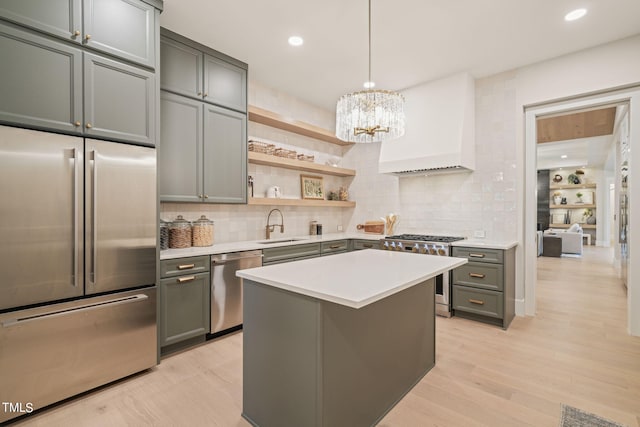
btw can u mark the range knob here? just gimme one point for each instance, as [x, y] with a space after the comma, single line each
[432, 250]
[424, 249]
[385, 246]
[392, 246]
[399, 246]
[415, 248]
[442, 250]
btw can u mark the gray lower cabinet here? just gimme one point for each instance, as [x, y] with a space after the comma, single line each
[199, 72]
[202, 157]
[290, 253]
[484, 288]
[123, 28]
[184, 300]
[334, 247]
[43, 87]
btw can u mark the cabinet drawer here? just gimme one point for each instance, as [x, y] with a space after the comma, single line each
[481, 275]
[184, 308]
[285, 253]
[328, 248]
[181, 266]
[477, 254]
[478, 301]
[365, 244]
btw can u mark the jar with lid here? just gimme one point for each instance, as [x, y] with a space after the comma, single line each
[202, 232]
[180, 233]
[313, 228]
[164, 235]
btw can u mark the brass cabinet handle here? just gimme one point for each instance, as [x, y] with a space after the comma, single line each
[334, 246]
[77, 123]
[88, 126]
[368, 245]
[199, 93]
[87, 36]
[205, 196]
[186, 279]
[76, 33]
[476, 301]
[478, 275]
[476, 255]
[186, 266]
[206, 94]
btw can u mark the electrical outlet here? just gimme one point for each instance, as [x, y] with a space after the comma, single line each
[479, 234]
[340, 228]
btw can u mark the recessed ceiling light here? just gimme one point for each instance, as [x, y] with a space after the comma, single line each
[564, 156]
[575, 14]
[296, 41]
[369, 85]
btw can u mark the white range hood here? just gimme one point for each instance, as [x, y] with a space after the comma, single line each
[440, 130]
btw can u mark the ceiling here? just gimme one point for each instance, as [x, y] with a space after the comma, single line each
[414, 41]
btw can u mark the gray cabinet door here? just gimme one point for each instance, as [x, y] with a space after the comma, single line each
[123, 28]
[180, 152]
[184, 308]
[119, 100]
[41, 84]
[61, 18]
[225, 84]
[225, 155]
[181, 67]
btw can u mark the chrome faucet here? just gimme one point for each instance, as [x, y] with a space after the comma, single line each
[271, 227]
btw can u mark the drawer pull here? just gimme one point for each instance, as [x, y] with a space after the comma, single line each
[476, 301]
[334, 247]
[186, 279]
[186, 266]
[478, 275]
[472, 255]
[367, 245]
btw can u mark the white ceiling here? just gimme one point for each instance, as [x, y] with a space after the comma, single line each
[414, 41]
[591, 152]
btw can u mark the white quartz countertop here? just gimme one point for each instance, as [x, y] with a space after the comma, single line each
[354, 279]
[276, 240]
[481, 243]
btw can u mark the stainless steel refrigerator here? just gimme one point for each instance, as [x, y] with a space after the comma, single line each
[77, 265]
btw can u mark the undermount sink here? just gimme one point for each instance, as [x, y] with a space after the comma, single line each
[270, 242]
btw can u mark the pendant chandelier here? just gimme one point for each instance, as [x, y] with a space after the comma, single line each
[370, 115]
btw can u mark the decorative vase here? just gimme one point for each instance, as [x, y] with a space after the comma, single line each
[557, 200]
[591, 220]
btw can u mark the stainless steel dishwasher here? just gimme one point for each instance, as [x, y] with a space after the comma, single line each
[226, 288]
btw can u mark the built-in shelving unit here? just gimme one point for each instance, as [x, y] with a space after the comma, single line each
[275, 120]
[583, 226]
[264, 201]
[575, 206]
[571, 186]
[301, 165]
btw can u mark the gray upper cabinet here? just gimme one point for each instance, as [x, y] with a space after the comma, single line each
[194, 70]
[201, 157]
[119, 100]
[123, 28]
[41, 84]
[225, 84]
[180, 153]
[225, 155]
[181, 67]
[61, 18]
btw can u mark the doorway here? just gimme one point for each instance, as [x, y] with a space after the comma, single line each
[630, 97]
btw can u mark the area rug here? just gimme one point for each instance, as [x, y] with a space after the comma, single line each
[574, 417]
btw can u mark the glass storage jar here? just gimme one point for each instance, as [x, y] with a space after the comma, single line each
[164, 235]
[180, 233]
[202, 232]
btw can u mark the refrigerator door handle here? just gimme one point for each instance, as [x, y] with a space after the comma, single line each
[74, 218]
[94, 218]
[73, 310]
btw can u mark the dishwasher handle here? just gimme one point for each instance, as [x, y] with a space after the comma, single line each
[234, 256]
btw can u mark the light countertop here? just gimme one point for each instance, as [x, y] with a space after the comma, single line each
[488, 244]
[354, 279]
[221, 248]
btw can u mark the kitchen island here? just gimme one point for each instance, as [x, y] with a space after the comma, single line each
[337, 340]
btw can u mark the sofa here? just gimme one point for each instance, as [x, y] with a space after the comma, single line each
[571, 238]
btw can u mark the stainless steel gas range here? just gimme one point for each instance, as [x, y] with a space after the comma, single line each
[428, 245]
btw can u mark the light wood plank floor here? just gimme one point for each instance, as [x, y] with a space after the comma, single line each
[575, 351]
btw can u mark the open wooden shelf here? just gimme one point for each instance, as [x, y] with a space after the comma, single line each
[583, 226]
[301, 165]
[269, 118]
[578, 206]
[300, 202]
[570, 186]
